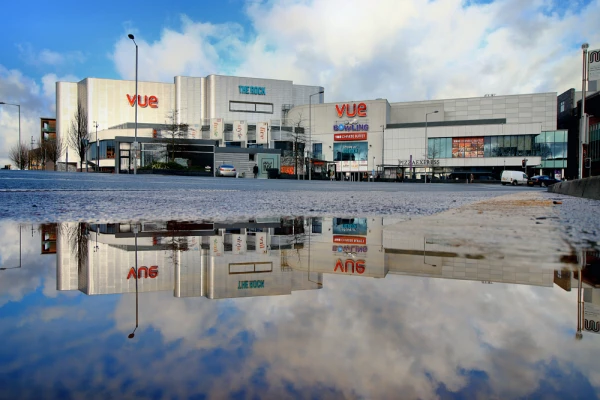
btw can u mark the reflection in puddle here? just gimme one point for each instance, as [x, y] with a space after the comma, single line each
[363, 287]
[268, 257]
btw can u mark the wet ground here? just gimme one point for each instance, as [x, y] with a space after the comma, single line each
[164, 287]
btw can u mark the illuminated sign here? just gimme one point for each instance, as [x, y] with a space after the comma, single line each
[253, 90]
[350, 266]
[349, 249]
[350, 239]
[351, 226]
[151, 101]
[151, 272]
[350, 127]
[341, 137]
[359, 110]
[251, 284]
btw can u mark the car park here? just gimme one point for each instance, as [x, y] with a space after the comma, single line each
[542, 181]
[227, 170]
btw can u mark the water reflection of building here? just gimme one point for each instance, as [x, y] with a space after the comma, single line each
[215, 260]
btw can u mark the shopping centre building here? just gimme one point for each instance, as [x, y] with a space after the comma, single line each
[279, 124]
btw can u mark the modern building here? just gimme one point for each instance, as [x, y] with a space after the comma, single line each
[221, 111]
[280, 124]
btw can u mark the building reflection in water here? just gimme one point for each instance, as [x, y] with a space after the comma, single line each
[267, 257]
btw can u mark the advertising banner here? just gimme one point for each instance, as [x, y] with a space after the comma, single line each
[216, 128]
[471, 147]
[349, 226]
[262, 133]
[216, 246]
[238, 244]
[594, 65]
[261, 243]
[240, 131]
[351, 151]
[342, 137]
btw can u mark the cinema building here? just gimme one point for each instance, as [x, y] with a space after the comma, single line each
[279, 124]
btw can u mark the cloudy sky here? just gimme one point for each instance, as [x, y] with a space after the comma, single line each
[401, 50]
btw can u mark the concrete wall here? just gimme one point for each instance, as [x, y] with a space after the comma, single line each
[588, 188]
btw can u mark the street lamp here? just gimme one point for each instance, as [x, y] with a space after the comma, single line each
[135, 142]
[310, 132]
[97, 153]
[426, 145]
[17, 105]
[382, 150]
[135, 232]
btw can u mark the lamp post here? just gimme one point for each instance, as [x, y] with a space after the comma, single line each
[426, 144]
[583, 120]
[97, 152]
[19, 106]
[382, 150]
[132, 334]
[310, 132]
[135, 142]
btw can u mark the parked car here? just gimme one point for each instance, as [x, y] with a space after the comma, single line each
[541, 180]
[226, 170]
[513, 178]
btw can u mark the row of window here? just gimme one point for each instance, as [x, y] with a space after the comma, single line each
[547, 145]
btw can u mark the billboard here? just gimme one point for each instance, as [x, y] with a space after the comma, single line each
[591, 317]
[469, 147]
[594, 65]
[262, 133]
[351, 156]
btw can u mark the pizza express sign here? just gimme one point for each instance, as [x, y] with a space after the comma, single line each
[406, 163]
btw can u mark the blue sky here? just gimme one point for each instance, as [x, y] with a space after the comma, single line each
[399, 50]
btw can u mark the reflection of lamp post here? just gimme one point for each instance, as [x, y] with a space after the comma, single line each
[132, 334]
[580, 306]
[135, 143]
[20, 261]
[310, 132]
[426, 144]
[424, 251]
[17, 105]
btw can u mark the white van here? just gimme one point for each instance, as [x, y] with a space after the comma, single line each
[513, 178]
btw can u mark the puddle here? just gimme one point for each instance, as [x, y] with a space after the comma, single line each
[297, 307]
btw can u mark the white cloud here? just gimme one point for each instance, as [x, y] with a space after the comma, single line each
[408, 50]
[46, 57]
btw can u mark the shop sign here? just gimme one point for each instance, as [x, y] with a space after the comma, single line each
[350, 127]
[251, 284]
[353, 110]
[350, 266]
[406, 163]
[591, 317]
[151, 101]
[350, 239]
[341, 137]
[151, 272]
[349, 249]
[594, 65]
[259, 90]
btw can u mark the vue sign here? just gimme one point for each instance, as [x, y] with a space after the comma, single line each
[359, 110]
[151, 272]
[151, 101]
[350, 266]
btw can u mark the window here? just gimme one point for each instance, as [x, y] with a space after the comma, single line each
[562, 106]
[251, 157]
[251, 107]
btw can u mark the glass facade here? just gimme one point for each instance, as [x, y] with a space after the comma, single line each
[551, 146]
[594, 146]
[106, 150]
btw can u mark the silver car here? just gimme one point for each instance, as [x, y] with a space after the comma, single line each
[226, 170]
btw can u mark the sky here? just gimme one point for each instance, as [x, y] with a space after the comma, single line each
[400, 50]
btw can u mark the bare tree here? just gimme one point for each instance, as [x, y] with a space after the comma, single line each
[299, 138]
[78, 136]
[19, 155]
[36, 157]
[173, 133]
[54, 149]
